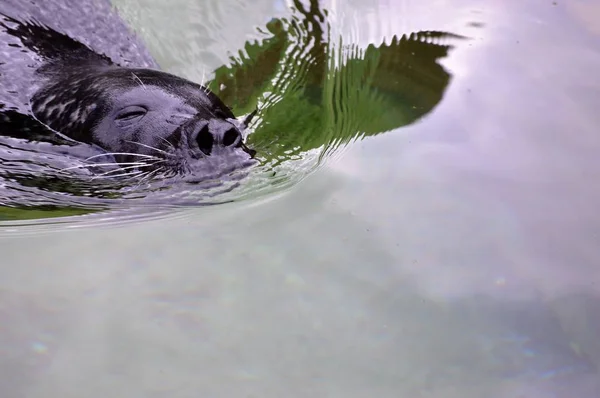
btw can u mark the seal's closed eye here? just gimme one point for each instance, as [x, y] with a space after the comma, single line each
[131, 113]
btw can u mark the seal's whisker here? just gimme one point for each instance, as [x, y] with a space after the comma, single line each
[136, 78]
[143, 165]
[148, 164]
[122, 153]
[107, 173]
[116, 164]
[148, 175]
[149, 147]
[83, 166]
[203, 81]
[113, 176]
[79, 166]
[169, 143]
[157, 162]
[139, 176]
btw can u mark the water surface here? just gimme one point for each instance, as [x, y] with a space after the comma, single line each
[451, 256]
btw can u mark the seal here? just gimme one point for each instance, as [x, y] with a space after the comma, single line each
[77, 75]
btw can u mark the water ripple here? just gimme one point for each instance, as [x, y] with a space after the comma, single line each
[315, 94]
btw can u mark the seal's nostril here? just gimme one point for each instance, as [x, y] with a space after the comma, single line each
[230, 137]
[205, 140]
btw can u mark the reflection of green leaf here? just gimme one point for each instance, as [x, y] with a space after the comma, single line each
[402, 81]
[307, 102]
[36, 212]
[241, 84]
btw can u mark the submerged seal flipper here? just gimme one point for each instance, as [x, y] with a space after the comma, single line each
[94, 23]
[55, 49]
[48, 43]
[36, 39]
[31, 34]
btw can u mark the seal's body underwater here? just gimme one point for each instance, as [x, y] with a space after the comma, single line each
[77, 71]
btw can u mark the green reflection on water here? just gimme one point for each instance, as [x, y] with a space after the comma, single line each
[314, 91]
[34, 213]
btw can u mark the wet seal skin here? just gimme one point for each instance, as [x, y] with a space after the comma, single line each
[74, 74]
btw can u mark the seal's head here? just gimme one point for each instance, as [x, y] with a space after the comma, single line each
[143, 115]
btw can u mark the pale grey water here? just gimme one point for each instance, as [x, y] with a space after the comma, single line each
[456, 257]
